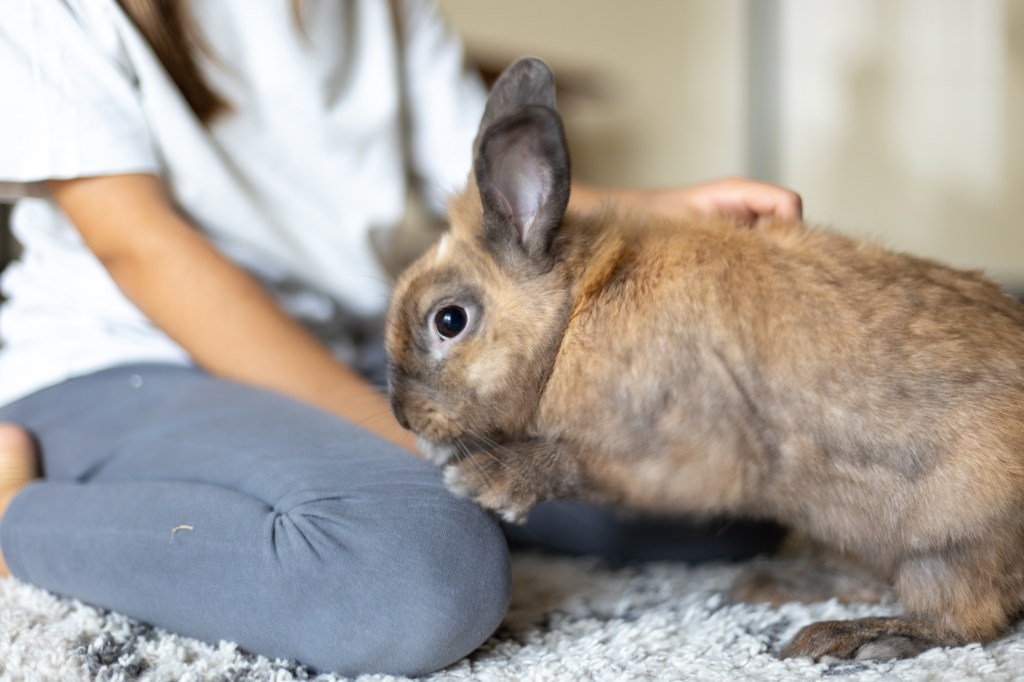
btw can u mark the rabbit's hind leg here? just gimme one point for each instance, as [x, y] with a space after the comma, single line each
[970, 590]
[965, 594]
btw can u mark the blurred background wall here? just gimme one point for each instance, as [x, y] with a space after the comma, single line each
[900, 120]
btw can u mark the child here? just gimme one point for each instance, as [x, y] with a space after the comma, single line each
[192, 333]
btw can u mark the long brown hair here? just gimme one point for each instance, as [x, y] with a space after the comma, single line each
[168, 27]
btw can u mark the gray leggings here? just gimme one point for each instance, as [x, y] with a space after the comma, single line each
[221, 511]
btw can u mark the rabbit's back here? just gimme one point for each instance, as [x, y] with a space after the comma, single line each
[779, 363]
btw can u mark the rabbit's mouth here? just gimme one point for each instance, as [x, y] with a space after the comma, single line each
[439, 438]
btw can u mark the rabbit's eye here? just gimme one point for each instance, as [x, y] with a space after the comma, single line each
[450, 321]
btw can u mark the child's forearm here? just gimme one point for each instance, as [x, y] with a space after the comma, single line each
[214, 309]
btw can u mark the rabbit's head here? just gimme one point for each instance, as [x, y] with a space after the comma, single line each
[474, 325]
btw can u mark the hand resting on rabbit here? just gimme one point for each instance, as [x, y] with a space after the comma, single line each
[872, 400]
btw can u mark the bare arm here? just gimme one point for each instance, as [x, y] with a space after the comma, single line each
[206, 303]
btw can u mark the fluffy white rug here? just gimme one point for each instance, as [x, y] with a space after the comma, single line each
[570, 619]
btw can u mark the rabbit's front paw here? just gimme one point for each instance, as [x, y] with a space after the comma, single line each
[436, 453]
[512, 477]
[492, 484]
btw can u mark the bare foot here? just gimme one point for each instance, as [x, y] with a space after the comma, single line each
[18, 468]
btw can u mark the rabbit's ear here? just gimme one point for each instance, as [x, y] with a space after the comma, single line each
[526, 82]
[522, 173]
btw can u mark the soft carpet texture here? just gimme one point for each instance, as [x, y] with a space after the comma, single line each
[570, 619]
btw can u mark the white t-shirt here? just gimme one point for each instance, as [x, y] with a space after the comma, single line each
[290, 184]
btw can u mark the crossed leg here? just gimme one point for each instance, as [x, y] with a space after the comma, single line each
[223, 512]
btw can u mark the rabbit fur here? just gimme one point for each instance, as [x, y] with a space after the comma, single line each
[872, 400]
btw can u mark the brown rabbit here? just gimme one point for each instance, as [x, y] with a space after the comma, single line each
[872, 400]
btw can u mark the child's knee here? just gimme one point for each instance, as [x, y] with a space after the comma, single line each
[405, 585]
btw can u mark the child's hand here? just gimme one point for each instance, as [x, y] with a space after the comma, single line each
[748, 200]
